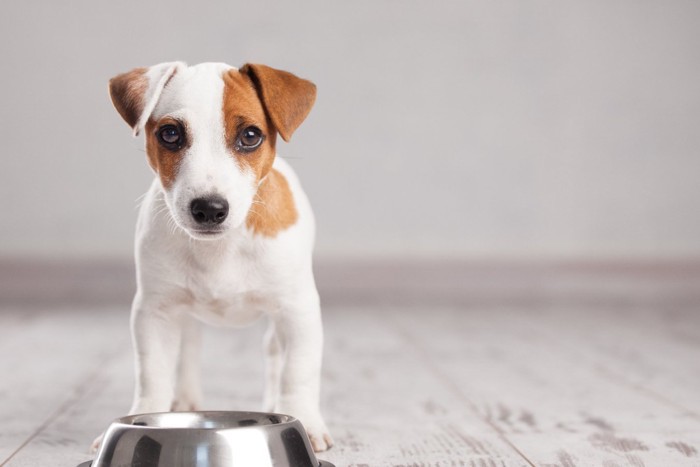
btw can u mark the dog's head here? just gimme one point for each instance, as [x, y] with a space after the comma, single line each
[210, 134]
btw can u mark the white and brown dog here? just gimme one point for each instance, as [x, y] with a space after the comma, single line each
[225, 232]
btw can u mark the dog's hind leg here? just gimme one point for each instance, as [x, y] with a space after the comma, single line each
[188, 389]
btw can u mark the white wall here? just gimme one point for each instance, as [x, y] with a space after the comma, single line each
[521, 128]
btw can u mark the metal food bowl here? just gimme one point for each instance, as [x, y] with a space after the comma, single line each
[206, 439]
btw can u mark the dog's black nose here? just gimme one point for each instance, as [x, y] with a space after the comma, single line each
[209, 211]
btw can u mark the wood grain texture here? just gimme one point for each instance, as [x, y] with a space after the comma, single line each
[555, 398]
[599, 380]
[48, 362]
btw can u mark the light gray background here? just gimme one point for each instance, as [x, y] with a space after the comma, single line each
[454, 129]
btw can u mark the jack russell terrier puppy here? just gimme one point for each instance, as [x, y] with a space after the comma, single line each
[225, 232]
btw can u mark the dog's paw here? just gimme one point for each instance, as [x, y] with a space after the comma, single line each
[311, 419]
[318, 433]
[96, 444]
[320, 441]
[187, 400]
[185, 404]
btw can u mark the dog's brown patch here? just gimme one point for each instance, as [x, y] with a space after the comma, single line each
[127, 91]
[273, 207]
[163, 161]
[274, 101]
[287, 98]
[242, 108]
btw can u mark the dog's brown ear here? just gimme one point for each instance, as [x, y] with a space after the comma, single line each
[136, 92]
[287, 98]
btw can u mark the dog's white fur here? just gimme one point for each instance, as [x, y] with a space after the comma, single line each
[230, 279]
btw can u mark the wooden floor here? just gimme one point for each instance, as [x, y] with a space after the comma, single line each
[609, 376]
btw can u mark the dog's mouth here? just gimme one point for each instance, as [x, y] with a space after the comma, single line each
[207, 233]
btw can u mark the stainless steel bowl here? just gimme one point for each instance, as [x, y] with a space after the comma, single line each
[206, 439]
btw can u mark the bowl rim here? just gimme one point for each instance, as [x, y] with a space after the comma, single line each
[128, 420]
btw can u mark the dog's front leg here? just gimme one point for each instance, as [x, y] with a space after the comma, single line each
[156, 332]
[300, 334]
[188, 391]
[274, 361]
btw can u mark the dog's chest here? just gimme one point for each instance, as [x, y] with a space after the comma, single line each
[228, 291]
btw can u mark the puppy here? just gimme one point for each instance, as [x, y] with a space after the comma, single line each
[225, 232]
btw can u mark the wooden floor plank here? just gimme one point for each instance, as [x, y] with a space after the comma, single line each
[13, 322]
[553, 406]
[651, 350]
[45, 364]
[386, 408]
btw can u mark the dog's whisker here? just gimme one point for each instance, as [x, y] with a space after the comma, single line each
[173, 225]
[259, 200]
[164, 211]
[139, 201]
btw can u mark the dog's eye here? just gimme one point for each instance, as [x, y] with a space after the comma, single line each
[250, 138]
[170, 136]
